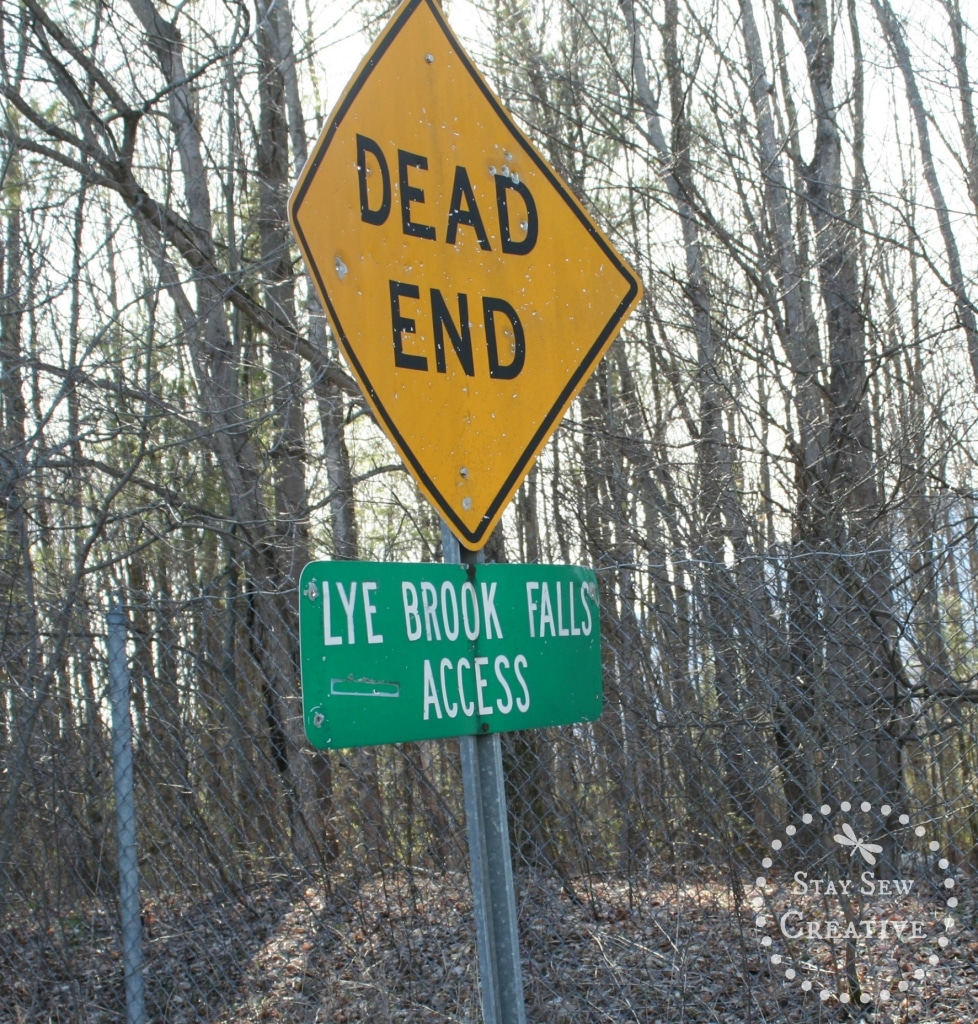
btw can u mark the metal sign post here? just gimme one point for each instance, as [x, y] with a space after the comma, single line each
[493, 891]
[125, 809]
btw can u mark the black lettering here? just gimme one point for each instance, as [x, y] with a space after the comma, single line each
[404, 325]
[461, 336]
[410, 194]
[462, 189]
[529, 240]
[367, 215]
[497, 370]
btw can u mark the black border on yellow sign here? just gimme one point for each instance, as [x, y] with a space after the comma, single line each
[478, 537]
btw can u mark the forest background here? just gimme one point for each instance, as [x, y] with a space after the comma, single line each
[773, 473]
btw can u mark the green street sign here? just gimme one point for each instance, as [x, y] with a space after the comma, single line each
[393, 652]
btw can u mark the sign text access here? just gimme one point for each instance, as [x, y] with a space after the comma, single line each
[393, 652]
[471, 293]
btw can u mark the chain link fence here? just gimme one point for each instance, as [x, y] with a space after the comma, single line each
[774, 819]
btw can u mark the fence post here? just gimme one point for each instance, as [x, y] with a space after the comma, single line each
[493, 892]
[125, 811]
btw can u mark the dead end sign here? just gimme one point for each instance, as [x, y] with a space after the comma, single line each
[471, 293]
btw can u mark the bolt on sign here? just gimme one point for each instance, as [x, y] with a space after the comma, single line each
[471, 293]
[393, 652]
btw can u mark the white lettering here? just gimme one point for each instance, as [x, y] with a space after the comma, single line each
[546, 611]
[451, 632]
[480, 686]
[524, 703]
[349, 601]
[794, 926]
[562, 630]
[468, 709]
[412, 616]
[369, 611]
[328, 639]
[531, 606]
[587, 588]
[492, 691]
[784, 926]
[489, 615]
[429, 601]
[451, 708]
[503, 662]
[430, 693]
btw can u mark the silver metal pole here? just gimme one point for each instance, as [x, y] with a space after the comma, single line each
[125, 811]
[493, 891]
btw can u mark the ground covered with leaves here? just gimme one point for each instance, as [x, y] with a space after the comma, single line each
[401, 947]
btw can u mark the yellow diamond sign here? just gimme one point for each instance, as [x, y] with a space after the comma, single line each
[470, 292]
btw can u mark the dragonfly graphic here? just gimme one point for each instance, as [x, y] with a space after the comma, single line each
[863, 847]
